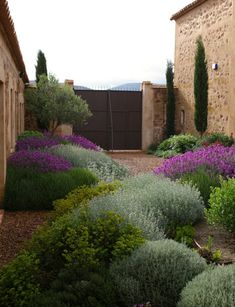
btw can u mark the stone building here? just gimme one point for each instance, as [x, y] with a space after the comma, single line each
[12, 79]
[214, 20]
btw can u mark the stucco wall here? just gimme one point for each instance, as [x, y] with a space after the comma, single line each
[11, 106]
[213, 21]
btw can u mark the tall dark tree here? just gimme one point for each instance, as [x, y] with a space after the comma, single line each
[200, 88]
[41, 67]
[170, 107]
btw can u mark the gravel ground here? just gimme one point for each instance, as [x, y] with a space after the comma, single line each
[137, 162]
[17, 227]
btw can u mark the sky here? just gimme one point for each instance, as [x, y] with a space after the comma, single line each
[99, 43]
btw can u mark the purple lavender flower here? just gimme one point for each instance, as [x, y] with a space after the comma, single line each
[82, 141]
[39, 161]
[217, 158]
[37, 142]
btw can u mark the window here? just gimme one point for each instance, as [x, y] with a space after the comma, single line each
[182, 117]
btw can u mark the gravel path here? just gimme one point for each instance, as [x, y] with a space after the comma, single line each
[137, 162]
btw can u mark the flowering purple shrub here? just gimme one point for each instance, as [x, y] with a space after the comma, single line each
[39, 161]
[218, 158]
[37, 142]
[82, 142]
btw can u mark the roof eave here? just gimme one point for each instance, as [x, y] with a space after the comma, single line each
[9, 29]
[187, 9]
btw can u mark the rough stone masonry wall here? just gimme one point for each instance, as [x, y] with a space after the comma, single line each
[212, 20]
[154, 113]
[11, 106]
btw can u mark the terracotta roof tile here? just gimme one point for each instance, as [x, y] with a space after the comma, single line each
[187, 8]
[9, 29]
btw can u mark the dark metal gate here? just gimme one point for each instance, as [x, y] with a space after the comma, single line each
[116, 123]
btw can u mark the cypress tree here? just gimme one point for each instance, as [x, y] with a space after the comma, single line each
[170, 107]
[41, 67]
[200, 88]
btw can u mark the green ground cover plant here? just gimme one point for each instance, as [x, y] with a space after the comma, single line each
[204, 180]
[216, 137]
[175, 145]
[222, 205]
[28, 189]
[28, 134]
[214, 287]
[156, 272]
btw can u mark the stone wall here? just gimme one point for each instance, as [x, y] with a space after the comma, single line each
[154, 113]
[11, 106]
[212, 20]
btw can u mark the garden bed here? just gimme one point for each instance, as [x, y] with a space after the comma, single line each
[17, 227]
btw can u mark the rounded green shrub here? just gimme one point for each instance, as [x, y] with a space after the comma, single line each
[81, 196]
[176, 144]
[78, 239]
[28, 134]
[30, 190]
[63, 261]
[18, 281]
[214, 287]
[204, 180]
[216, 137]
[222, 205]
[156, 272]
[78, 288]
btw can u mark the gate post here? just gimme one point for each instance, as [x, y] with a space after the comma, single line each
[147, 114]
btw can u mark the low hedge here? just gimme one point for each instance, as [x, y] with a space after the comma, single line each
[27, 189]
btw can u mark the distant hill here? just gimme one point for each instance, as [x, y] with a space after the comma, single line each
[127, 87]
[81, 87]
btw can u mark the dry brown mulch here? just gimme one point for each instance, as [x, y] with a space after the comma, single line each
[16, 228]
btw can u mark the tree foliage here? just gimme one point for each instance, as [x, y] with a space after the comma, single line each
[170, 107]
[54, 104]
[41, 67]
[200, 88]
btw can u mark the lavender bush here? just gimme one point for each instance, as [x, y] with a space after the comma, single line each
[39, 161]
[216, 158]
[36, 142]
[82, 142]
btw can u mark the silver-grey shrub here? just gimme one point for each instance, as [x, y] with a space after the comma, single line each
[130, 207]
[154, 203]
[211, 288]
[156, 272]
[97, 162]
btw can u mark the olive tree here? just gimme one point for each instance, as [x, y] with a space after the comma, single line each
[54, 104]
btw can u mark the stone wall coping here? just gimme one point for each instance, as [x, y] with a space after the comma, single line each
[11, 38]
[187, 8]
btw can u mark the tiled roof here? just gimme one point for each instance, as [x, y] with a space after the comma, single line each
[187, 8]
[9, 30]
